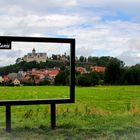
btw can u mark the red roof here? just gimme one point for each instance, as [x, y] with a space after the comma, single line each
[98, 69]
[6, 78]
[39, 73]
[52, 72]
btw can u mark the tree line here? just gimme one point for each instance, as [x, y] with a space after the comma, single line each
[116, 72]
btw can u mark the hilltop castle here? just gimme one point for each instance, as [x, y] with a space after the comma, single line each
[38, 57]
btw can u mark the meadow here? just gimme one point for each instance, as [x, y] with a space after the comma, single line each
[102, 113]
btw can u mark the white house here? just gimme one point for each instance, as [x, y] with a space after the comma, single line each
[1, 79]
[16, 82]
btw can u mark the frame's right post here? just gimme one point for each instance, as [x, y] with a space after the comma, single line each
[72, 72]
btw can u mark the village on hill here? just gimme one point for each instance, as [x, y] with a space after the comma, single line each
[39, 76]
[43, 76]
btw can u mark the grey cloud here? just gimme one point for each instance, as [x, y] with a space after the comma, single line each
[131, 55]
[10, 53]
[84, 51]
[129, 58]
[9, 57]
[31, 24]
[68, 18]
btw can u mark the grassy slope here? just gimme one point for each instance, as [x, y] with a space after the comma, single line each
[108, 112]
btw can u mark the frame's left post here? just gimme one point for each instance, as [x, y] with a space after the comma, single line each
[53, 116]
[8, 118]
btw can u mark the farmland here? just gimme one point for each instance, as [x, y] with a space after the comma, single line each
[102, 112]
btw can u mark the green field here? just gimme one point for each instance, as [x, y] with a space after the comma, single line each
[102, 113]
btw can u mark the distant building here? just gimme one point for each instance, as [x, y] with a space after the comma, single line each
[81, 70]
[21, 74]
[1, 80]
[52, 73]
[63, 57]
[98, 69]
[49, 73]
[6, 79]
[12, 76]
[16, 82]
[38, 57]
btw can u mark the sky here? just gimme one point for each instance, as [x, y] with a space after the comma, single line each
[100, 27]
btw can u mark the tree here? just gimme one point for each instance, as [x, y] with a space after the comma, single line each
[54, 57]
[90, 59]
[18, 60]
[94, 78]
[132, 75]
[81, 58]
[113, 72]
[84, 80]
[62, 78]
[88, 79]
[45, 82]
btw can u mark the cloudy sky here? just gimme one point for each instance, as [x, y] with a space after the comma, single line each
[100, 27]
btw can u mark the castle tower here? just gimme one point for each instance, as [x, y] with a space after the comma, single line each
[33, 51]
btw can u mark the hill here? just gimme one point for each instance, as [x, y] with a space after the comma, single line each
[81, 61]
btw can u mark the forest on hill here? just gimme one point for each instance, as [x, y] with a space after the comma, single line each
[81, 61]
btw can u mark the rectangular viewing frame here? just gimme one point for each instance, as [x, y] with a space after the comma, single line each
[71, 99]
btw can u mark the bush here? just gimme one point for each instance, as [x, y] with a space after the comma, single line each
[62, 78]
[84, 80]
[90, 79]
[45, 82]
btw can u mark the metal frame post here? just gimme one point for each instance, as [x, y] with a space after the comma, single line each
[8, 118]
[53, 116]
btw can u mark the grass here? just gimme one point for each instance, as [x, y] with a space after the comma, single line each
[33, 92]
[102, 113]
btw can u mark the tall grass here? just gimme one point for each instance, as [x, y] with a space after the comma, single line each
[102, 112]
